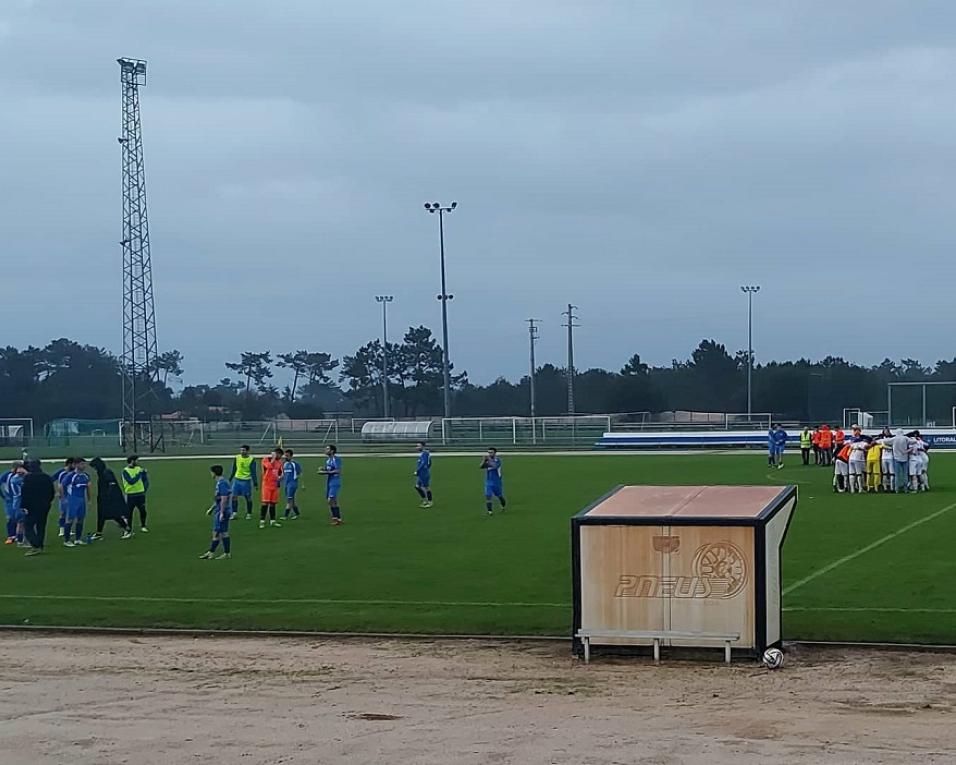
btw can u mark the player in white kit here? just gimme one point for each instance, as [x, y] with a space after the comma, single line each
[915, 460]
[886, 460]
[857, 463]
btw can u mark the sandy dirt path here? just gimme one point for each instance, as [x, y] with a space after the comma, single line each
[177, 700]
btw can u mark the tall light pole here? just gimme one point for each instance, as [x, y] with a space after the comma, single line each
[444, 297]
[750, 290]
[532, 338]
[384, 300]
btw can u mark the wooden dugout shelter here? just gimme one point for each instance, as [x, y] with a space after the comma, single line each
[681, 566]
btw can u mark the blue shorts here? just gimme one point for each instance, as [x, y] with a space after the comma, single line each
[10, 510]
[333, 489]
[423, 480]
[290, 489]
[64, 506]
[493, 489]
[220, 525]
[76, 511]
[776, 449]
[242, 487]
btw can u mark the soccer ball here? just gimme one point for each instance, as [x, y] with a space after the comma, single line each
[773, 658]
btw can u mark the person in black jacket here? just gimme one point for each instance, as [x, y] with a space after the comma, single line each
[110, 500]
[35, 499]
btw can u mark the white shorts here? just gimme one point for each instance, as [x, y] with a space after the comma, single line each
[925, 462]
[857, 467]
[916, 466]
[886, 466]
[841, 468]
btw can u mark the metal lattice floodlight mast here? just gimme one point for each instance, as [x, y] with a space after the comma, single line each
[139, 317]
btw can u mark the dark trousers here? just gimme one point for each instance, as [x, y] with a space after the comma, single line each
[101, 522]
[35, 526]
[806, 456]
[136, 502]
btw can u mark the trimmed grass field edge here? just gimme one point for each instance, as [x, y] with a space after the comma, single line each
[412, 636]
[217, 633]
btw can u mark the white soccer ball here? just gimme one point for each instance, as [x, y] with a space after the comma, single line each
[773, 658]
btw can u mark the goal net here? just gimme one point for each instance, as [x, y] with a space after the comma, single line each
[921, 404]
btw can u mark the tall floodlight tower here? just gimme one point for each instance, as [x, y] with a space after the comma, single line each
[139, 317]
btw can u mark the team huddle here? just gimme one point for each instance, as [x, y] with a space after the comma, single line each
[890, 462]
[70, 486]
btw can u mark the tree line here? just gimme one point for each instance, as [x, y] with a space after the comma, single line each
[69, 379]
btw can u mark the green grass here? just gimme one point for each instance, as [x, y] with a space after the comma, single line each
[396, 568]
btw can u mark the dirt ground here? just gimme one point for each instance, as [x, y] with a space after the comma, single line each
[144, 700]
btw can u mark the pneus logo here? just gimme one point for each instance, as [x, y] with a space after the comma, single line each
[719, 571]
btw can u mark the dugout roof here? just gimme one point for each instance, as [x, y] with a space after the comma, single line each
[684, 503]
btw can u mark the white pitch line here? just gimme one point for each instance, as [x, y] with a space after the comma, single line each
[283, 601]
[863, 550]
[873, 609]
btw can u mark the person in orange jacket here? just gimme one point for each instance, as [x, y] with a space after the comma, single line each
[826, 445]
[815, 441]
[839, 438]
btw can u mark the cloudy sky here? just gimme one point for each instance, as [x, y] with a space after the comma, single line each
[639, 159]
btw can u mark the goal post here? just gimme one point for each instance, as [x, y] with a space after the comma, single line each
[920, 404]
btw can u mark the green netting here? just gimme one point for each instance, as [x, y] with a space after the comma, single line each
[69, 426]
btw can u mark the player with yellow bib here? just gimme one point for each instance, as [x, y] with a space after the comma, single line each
[244, 480]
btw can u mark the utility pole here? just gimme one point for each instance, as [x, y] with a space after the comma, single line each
[384, 300]
[750, 290]
[570, 324]
[444, 297]
[139, 315]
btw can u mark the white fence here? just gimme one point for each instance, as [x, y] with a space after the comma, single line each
[541, 431]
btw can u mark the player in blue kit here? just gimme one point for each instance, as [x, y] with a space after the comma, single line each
[14, 507]
[491, 464]
[291, 471]
[222, 512]
[60, 477]
[423, 475]
[7, 497]
[776, 443]
[77, 493]
[333, 470]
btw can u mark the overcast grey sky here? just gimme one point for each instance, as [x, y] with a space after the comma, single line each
[640, 159]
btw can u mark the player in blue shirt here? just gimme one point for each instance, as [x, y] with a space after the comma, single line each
[59, 480]
[776, 443]
[333, 470]
[15, 493]
[8, 502]
[423, 475]
[491, 464]
[222, 511]
[291, 471]
[77, 494]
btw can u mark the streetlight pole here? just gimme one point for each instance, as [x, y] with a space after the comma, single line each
[384, 300]
[750, 290]
[444, 297]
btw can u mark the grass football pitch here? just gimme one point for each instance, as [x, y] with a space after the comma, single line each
[860, 568]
